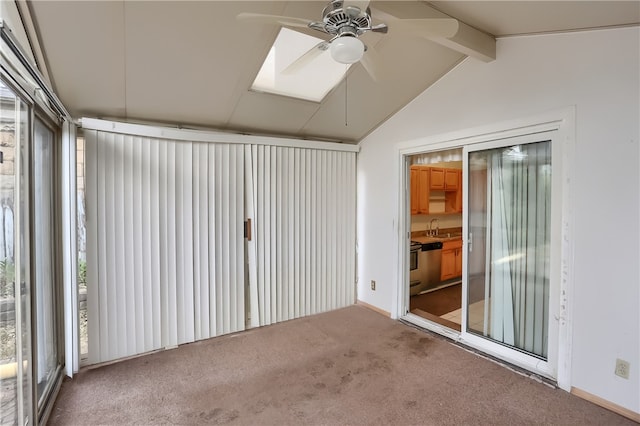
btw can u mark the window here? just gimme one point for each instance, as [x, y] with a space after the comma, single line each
[311, 82]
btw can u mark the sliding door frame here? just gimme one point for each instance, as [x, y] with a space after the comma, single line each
[546, 367]
[561, 121]
[43, 409]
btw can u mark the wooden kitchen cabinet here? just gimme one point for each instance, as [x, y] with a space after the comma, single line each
[459, 261]
[451, 263]
[423, 191]
[459, 193]
[448, 265]
[444, 179]
[453, 199]
[413, 181]
[425, 180]
[451, 179]
[419, 190]
[436, 176]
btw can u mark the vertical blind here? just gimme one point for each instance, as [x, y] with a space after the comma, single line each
[164, 243]
[303, 203]
[167, 262]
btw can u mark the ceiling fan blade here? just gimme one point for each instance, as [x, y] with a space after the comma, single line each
[307, 58]
[286, 21]
[360, 4]
[374, 65]
[380, 28]
[428, 27]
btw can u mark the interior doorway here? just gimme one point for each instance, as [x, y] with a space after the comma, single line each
[435, 276]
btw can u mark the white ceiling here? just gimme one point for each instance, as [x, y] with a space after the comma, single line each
[505, 18]
[191, 63]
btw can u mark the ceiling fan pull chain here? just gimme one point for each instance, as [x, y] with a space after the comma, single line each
[346, 76]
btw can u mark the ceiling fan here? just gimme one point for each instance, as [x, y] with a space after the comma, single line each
[345, 21]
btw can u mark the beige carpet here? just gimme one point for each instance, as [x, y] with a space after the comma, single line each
[351, 366]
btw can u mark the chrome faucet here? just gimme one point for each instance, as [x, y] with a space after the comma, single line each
[431, 230]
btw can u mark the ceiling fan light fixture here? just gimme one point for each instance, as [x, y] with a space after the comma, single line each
[347, 49]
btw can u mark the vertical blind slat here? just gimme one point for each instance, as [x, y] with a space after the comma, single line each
[310, 233]
[219, 244]
[93, 251]
[315, 240]
[187, 226]
[197, 296]
[180, 243]
[136, 262]
[163, 243]
[298, 302]
[143, 223]
[261, 266]
[172, 308]
[205, 243]
[212, 215]
[132, 291]
[154, 238]
[272, 240]
[110, 269]
[121, 335]
[239, 259]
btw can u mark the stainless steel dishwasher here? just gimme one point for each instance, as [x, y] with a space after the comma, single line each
[429, 265]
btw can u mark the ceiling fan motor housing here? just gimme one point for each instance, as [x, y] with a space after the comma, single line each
[336, 18]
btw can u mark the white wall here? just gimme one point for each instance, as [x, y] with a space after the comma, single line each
[598, 73]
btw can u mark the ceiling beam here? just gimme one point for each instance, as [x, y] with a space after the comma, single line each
[471, 42]
[466, 40]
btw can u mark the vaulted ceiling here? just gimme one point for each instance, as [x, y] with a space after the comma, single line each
[191, 64]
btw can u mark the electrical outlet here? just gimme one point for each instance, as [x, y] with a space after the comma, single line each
[373, 285]
[622, 368]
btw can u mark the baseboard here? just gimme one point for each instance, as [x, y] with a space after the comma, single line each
[374, 308]
[606, 404]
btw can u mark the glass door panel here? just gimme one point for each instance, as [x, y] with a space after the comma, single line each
[15, 337]
[508, 257]
[43, 208]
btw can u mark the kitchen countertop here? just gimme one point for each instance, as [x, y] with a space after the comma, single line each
[446, 234]
[437, 238]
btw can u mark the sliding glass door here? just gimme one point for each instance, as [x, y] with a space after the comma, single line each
[15, 313]
[508, 264]
[31, 302]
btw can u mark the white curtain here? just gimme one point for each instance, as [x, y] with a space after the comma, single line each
[165, 249]
[519, 195]
[304, 232]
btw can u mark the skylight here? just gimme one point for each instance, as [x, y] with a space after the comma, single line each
[311, 82]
